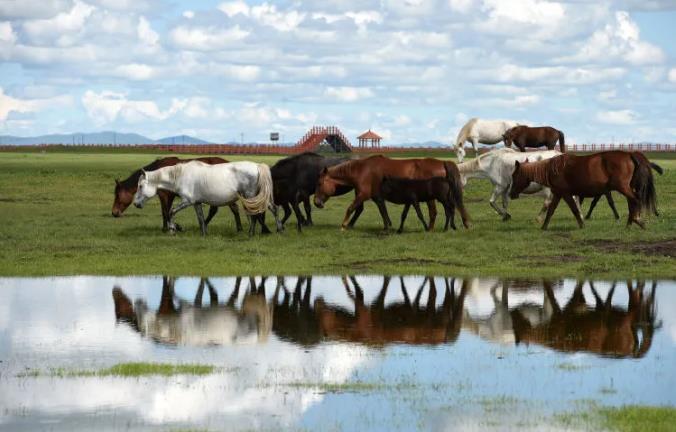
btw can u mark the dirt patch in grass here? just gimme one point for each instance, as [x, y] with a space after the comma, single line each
[665, 248]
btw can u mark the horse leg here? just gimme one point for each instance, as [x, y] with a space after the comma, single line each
[611, 204]
[287, 212]
[505, 204]
[200, 219]
[449, 210]
[494, 196]
[234, 208]
[574, 208]
[252, 224]
[358, 201]
[387, 223]
[212, 212]
[418, 212]
[308, 211]
[591, 206]
[404, 213]
[300, 220]
[475, 146]
[432, 209]
[633, 204]
[550, 210]
[166, 201]
[261, 220]
[183, 205]
[198, 295]
[358, 211]
[545, 204]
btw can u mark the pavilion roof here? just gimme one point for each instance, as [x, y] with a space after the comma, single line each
[369, 135]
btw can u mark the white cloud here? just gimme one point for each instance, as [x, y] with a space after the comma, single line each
[620, 39]
[107, 106]
[672, 75]
[461, 5]
[145, 33]
[621, 117]
[235, 7]
[7, 34]
[10, 104]
[135, 71]
[268, 15]
[189, 14]
[206, 38]
[348, 94]
[32, 9]
[61, 27]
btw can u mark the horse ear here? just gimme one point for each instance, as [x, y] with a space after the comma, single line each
[517, 164]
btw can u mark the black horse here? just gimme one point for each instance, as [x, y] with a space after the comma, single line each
[295, 178]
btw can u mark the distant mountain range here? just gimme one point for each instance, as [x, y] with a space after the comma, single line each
[107, 137]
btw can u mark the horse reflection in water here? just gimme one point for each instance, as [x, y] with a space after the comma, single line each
[602, 329]
[195, 324]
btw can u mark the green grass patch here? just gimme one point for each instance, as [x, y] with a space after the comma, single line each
[629, 418]
[128, 370]
[55, 219]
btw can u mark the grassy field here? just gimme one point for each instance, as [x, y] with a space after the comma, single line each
[55, 220]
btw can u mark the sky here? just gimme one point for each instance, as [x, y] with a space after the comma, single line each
[411, 70]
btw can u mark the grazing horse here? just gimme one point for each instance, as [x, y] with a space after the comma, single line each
[408, 322]
[481, 131]
[217, 185]
[196, 325]
[498, 166]
[526, 136]
[366, 176]
[589, 176]
[294, 179]
[606, 330]
[125, 190]
[447, 190]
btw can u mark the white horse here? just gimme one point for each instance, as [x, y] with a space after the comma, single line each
[198, 183]
[482, 131]
[498, 166]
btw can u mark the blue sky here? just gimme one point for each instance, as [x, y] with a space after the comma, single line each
[412, 70]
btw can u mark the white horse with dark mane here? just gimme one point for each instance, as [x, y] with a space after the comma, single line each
[498, 166]
[219, 185]
[482, 131]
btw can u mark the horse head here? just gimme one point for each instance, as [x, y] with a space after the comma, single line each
[145, 190]
[326, 188]
[460, 152]
[123, 198]
[519, 180]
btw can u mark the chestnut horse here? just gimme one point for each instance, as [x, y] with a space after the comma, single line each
[126, 189]
[590, 176]
[526, 136]
[366, 176]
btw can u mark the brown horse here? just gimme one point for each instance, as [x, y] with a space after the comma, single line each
[605, 329]
[366, 176]
[125, 190]
[525, 136]
[408, 322]
[590, 176]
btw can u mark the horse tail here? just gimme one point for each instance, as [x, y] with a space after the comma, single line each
[562, 142]
[453, 177]
[464, 133]
[259, 203]
[643, 184]
[656, 167]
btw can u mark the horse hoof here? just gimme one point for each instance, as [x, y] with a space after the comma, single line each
[399, 231]
[343, 229]
[178, 228]
[506, 217]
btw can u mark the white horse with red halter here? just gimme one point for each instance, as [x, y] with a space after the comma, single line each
[482, 131]
[218, 185]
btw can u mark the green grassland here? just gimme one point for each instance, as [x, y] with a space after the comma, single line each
[55, 220]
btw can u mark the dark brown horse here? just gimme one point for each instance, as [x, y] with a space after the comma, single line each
[409, 322]
[125, 190]
[605, 329]
[525, 136]
[447, 190]
[366, 176]
[590, 176]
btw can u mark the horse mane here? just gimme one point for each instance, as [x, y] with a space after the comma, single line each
[538, 171]
[132, 180]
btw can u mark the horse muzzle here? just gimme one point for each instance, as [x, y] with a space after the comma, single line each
[138, 205]
[319, 203]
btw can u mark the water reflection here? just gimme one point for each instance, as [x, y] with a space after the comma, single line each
[197, 325]
[427, 310]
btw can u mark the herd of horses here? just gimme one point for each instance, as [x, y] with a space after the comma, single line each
[293, 315]
[294, 180]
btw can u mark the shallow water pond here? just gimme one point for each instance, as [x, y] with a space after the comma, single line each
[328, 353]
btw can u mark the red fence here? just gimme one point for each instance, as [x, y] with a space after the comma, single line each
[310, 143]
